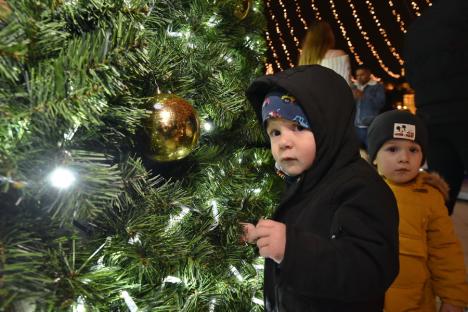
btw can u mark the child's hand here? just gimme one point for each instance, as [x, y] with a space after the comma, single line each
[250, 235]
[271, 239]
[447, 307]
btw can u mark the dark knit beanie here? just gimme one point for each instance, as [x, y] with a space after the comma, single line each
[278, 104]
[396, 124]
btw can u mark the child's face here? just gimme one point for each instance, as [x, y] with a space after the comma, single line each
[399, 160]
[293, 147]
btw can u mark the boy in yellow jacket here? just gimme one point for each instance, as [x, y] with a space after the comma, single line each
[431, 258]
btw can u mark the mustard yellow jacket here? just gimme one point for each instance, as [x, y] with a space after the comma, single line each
[431, 257]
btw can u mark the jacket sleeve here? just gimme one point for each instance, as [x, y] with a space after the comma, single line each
[445, 256]
[359, 260]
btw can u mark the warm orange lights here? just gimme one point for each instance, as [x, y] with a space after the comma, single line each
[289, 13]
[344, 33]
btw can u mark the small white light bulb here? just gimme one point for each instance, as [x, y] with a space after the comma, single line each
[80, 305]
[215, 211]
[129, 301]
[212, 304]
[172, 279]
[62, 178]
[236, 273]
[207, 126]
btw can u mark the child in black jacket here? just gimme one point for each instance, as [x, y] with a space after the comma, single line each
[332, 244]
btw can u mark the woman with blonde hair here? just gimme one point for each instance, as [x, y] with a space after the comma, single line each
[318, 48]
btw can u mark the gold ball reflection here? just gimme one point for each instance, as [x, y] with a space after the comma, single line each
[173, 128]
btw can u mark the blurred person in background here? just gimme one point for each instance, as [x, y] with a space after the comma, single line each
[318, 47]
[369, 95]
[436, 64]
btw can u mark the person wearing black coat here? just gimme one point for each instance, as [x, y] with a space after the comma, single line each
[436, 65]
[340, 219]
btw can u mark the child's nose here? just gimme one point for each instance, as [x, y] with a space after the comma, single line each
[285, 141]
[403, 156]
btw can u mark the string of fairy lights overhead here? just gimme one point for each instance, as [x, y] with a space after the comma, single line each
[287, 23]
[415, 7]
[316, 10]
[299, 14]
[280, 35]
[384, 34]
[397, 16]
[344, 33]
[369, 44]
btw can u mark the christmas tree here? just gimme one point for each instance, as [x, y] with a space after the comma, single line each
[129, 155]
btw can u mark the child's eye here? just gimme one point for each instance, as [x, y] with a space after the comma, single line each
[297, 127]
[274, 133]
[391, 149]
[414, 149]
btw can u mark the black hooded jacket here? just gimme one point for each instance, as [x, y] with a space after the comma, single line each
[341, 218]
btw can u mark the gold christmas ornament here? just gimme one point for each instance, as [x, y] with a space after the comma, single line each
[242, 9]
[173, 128]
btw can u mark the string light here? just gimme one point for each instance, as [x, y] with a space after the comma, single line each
[172, 280]
[278, 31]
[178, 34]
[256, 191]
[215, 211]
[256, 6]
[176, 219]
[384, 33]
[415, 7]
[277, 42]
[269, 69]
[61, 178]
[80, 305]
[15, 184]
[371, 47]
[343, 32]
[299, 14]
[316, 11]
[259, 264]
[69, 135]
[135, 239]
[288, 23]
[213, 21]
[273, 51]
[131, 305]
[236, 273]
[207, 126]
[212, 305]
[397, 17]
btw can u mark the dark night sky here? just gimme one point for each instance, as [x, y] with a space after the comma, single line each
[383, 11]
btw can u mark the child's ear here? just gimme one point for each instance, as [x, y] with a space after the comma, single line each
[374, 162]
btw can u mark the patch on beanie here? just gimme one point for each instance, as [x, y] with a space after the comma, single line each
[404, 131]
